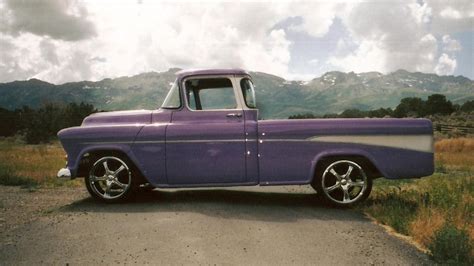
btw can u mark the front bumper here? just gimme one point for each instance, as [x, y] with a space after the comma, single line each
[64, 173]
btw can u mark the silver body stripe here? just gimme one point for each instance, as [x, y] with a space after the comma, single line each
[423, 143]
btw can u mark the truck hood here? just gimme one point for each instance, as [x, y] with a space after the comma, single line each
[119, 117]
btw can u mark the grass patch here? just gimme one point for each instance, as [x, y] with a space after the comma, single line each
[31, 165]
[437, 211]
[396, 208]
[9, 178]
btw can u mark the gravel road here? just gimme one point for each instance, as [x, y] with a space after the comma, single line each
[251, 226]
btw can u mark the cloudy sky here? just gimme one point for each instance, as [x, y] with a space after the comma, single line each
[68, 40]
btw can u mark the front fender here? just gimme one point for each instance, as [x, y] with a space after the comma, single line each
[78, 141]
[73, 165]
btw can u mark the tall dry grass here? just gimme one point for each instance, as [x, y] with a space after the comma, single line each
[456, 154]
[455, 145]
[30, 164]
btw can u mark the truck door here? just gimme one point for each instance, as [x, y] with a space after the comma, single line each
[205, 141]
[251, 125]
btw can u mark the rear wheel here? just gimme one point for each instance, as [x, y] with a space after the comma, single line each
[342, 183]
[110, 179]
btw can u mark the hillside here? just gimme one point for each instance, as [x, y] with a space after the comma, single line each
[277, 98]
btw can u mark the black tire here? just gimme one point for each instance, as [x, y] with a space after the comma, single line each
[339, 185]
[111, 183]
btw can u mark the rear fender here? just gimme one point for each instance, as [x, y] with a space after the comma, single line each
[341, 153]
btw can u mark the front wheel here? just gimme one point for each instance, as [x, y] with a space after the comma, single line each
[110, 179]
[342, 183]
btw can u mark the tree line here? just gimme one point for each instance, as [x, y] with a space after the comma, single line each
[435, 104]
[42, 124]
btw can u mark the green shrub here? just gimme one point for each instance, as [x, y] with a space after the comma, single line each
[451, 246]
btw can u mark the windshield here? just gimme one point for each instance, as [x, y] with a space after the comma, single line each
[172, 100]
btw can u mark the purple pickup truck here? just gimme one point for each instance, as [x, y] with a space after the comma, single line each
[207, 134]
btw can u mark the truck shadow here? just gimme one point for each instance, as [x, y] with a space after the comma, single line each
[223, 203]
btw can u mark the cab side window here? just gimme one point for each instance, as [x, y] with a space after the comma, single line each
[210, 94]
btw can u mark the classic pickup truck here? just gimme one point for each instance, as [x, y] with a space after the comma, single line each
[207, 133]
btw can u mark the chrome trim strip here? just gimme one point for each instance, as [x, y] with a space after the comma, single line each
[170, 141]
[285, 140]
[205, 140]
[108, 142]
[150, 141]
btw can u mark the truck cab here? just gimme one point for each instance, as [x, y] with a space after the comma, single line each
[212, 137]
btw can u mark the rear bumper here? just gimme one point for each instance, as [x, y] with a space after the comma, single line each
[64, 173]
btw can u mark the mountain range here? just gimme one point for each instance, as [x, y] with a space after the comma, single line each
[333, 92]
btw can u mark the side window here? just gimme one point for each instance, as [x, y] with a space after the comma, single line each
[210, 94]
[172, 100]
[248, 92]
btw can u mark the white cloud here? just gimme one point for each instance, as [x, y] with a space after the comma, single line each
[317, 17]
[66, 20]
[451, 16]
[314, 61]
[10, 63]
[450, 45]
[369, 56]
[48, 51]
[446, 65]
[421, 12]
[61, 41]
[134, 38]
[450, 13]
[389, 35]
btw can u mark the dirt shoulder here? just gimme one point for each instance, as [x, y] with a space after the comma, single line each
[19, 206]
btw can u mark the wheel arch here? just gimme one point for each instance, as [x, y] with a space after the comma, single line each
[362, 157]
[88, 156]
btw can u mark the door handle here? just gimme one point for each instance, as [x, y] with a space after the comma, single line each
[234, 115]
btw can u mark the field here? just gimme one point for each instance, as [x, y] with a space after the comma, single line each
[31, 165]
[435, 212]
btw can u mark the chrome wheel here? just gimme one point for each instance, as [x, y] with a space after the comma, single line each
[109, 178]
[344, 182]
